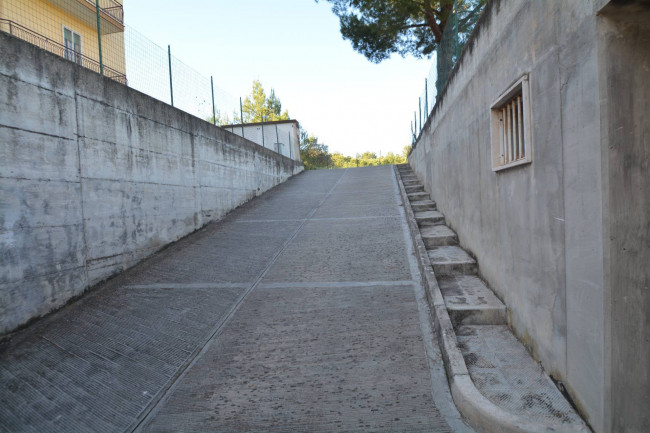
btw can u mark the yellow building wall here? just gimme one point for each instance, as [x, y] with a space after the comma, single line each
[43, 18]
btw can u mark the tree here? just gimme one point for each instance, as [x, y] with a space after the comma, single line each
[313, 154]
[222, 119]
[379, 28]
[257, 107]
[342, 161]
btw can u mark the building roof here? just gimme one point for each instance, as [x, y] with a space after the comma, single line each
[270, 122]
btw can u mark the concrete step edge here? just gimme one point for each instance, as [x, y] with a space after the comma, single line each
[439, 241]
[481, 413]
[477, 314]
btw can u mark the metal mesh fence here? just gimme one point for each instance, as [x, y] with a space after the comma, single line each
[458, 27]
[425, 103]
[92, 34]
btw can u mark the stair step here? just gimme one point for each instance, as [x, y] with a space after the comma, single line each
[438, 236]
[418, 196]
[470, 302]
[429, 218]
[423, 205]
[414, 188]
[409, 176]
[452, 260]
[410, 182]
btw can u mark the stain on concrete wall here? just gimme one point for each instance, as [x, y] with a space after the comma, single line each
[95, 176]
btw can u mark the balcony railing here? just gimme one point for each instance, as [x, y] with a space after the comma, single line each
[111, 13]
[110, 7]
[47, 44]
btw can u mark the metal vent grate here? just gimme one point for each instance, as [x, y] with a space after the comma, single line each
[510, 127]
[513, 146]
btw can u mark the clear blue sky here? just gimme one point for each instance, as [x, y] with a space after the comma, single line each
[295, 47]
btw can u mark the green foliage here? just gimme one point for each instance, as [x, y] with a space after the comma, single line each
[366, 159]
[222, 119]
[313, 154]
[316, 155]
[257, 107]
[379, 28]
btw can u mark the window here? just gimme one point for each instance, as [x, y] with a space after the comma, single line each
[72, 44]
[510, 127]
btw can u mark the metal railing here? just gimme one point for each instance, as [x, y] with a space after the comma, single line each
[110, 7]
[125, 53]
[47, 44]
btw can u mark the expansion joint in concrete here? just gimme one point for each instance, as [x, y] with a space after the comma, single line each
[156, 403]
[81, 196]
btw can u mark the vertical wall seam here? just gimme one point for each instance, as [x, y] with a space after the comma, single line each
[564, 190]
[603, 114]
[81, 186]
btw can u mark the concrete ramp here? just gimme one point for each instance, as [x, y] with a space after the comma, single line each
[300, 311]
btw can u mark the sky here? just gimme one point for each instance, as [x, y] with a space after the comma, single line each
[296, 48]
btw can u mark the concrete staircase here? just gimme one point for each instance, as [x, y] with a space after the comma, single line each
[496, 383]
[468, 298]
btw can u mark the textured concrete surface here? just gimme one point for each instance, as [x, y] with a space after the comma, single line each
[429, 218]
[507, 375]
[625, 35]
[495, 382]
[564, 240]
[95, 176]
[416, 196]
[423, 205]
[451, 260]
[300, 311]
[470, 302]
[437, 236]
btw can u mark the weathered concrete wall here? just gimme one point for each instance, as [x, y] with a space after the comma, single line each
[624, 43]
[561, 238]
[95, 176]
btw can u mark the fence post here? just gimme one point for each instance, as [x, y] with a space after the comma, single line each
[426, 98]
[241, 116]
[99, 38]
[290, 146]
[415, 120]
[263, 145]
[171, 86]
[214, 113]
[290, 150]
[277, 137]
[420, 110]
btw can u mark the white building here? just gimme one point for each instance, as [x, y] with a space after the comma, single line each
[281, 136]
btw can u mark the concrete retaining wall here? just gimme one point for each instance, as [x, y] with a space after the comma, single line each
[564, 241]
[95, 176]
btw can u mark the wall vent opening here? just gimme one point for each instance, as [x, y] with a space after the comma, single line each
[510, 127]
